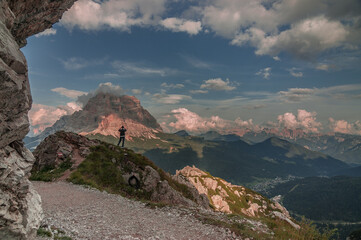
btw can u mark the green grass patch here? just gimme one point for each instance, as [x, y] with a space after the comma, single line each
[42, 232]
[51, 173]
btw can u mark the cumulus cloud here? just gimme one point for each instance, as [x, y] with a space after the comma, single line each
[74, 94]
[95, 15]
[165, 98]
[182, 25]
[107, 87]
[304, 120]
[265, 72]
[303, 28]
[245, 123]
[172, 85]
[192, 122]
[43, 116]
[342, 126]
[276, 58]
[217, 84]
[304, 39]
[294, 73]
[46, 32]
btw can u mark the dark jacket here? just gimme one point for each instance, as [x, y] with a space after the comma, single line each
[122, 131]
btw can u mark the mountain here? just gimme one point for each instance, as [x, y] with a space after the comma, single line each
[104, 114]
[215, 136]
[351, 172]
[238, 161]
[341, 146]
[182, 133]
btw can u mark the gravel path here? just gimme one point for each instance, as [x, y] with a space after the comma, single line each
[90, 214]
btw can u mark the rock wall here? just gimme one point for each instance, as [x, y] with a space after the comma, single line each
[20, 205]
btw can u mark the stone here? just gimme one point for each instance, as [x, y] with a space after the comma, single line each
[20, 211]
[220, 204]
[151, 178]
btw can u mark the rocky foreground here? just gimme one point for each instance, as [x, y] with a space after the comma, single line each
[84, 213]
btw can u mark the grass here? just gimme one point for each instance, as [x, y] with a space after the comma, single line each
[51, 173]
[42, 232]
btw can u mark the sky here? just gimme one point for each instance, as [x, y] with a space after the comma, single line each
[205, 65]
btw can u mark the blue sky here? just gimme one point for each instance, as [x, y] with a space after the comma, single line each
[223, 64]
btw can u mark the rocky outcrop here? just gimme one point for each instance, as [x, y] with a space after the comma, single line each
[229, 198]
[58, 147]
[20, 210]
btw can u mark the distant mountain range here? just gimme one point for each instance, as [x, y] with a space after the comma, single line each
[226, 156]
[345, 147]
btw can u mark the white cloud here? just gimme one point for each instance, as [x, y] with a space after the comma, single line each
[265, 72]
[294, 73]
[43, 116]
[107, 87]
[138, 69]
[68, 92]
[47, 32]
[192, 122]
[172, 85]
[198, 91]
[276, 58]
[304, 120]
[296, 94]
[75, 63]
[323, 67]
[217, 84]
[339, 91]
[342, 126]
[165, 98]
[182, 25]
[137, 91]
[303, 28]
[95, 15]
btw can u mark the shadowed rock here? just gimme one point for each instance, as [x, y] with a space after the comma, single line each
[20, 205]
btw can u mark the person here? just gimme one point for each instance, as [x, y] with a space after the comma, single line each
[122, 131]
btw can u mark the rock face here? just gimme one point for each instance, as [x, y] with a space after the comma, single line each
[229, 198]
[20, 209]
[60, 146]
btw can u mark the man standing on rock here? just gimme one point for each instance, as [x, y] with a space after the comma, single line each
[122, 131]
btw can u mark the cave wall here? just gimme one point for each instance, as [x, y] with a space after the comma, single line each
[20, 205]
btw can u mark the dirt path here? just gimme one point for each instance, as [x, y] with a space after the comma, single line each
[90, 214]
[77, 159]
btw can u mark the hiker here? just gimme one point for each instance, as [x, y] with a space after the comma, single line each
[122, 131]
